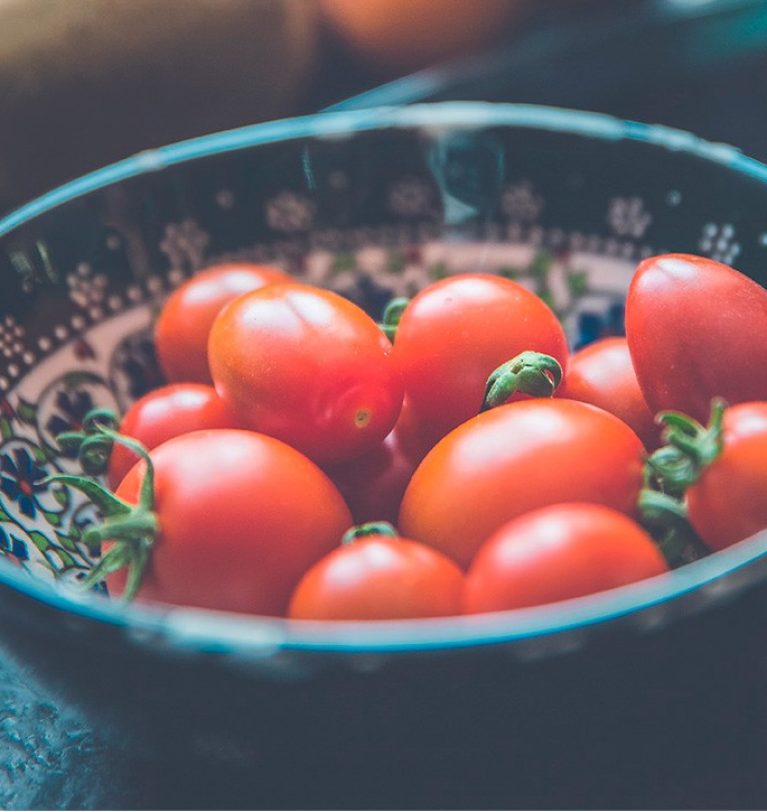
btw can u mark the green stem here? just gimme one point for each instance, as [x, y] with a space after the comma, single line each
[666, 519]
[369, 529]
[690, 448]
[93, 447]
[530, 372]
[392, 315]
[132, 529]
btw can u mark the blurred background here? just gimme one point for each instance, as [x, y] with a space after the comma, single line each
[87, 82]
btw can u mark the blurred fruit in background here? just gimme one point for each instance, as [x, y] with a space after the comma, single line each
[407, 34]
[86, 82]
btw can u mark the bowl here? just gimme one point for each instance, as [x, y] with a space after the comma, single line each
[514, 708]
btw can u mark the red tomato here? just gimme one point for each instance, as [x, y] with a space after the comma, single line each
[729, 501]
[513, 459]
[374, 483]
[308, 367]
[379, 577]
[695, 328]
[181, 332]
[413, 438]
[456, 332]
[559, 552]
[602, 374]
[241, 517]
[165, 413]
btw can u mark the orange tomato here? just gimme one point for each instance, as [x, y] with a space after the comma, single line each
[516, 458]
[602, 374]
[181, 332]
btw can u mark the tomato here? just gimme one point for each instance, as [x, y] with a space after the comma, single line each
[308, 367]
[165, 413]
[602, 374]
[729, 501]
[559, 552]
[412, 438]
[695, 329]
[456, 332]
[181, 332]
[373, 484]
[379, 576]
[240, 517]
[513, 459]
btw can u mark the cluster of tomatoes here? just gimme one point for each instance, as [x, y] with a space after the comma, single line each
[267, 477]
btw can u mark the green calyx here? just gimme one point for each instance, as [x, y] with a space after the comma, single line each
[665, 518]
[530, 372]
[91, 445]
[132, 529]
[369, 529]
[392, 315]
[690, 448]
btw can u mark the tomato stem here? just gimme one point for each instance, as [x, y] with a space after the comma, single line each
[690, 448]
[91, 445]
[530, 372]
[392, 315]
[369, 529]
[666, 519]
[132, 529]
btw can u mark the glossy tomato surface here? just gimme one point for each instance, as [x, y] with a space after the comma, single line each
[696, 329]
[559, 552]
[456, 332]
[181, 331]
[729, 501]
[602, 374]
[165, 413]
[309, 367]
[516, 458]
[379, 578]
[242, 516]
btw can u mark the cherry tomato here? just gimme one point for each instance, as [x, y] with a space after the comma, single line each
[373, 484]
[181, 332]
[559, 552]
[308, 367]
[695, 328]
[412, 437]
[456, 332]
[379, 576]
[241, 517]
[165, 413]
[602, 374]
[729, 501]
[513, 459]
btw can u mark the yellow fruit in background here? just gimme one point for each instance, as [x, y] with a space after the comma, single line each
[409, 34]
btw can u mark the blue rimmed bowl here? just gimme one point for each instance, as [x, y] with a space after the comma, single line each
[375, 203]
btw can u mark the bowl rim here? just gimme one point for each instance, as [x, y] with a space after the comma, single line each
[245, 635]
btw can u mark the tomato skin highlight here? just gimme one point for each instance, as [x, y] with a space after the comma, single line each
[513, 459]
[309, 367]
[165, 413]
[182, 329]
[696, 329]
[379, 578]
[559, 552]
[602, 374]
[729, 501]
[242, 516]
[456, 332]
